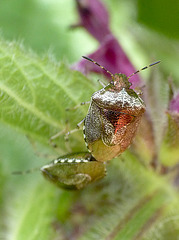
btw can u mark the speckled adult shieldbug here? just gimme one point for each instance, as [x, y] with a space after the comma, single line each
[113, 117]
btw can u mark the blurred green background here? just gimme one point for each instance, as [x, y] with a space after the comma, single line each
[147, 30]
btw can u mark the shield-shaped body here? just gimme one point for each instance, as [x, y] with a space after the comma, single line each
[112, 120]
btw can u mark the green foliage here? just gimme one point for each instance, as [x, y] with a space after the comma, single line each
[34, 93]
[161, 17]
[128, 204]
[26, 20]
[43, 25]
[132, 201]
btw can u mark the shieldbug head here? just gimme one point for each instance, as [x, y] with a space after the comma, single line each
[113, 117]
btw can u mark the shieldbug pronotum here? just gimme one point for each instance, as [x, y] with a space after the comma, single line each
[113, 117]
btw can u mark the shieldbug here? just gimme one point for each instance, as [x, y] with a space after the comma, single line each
[113, 117]
[72, 171]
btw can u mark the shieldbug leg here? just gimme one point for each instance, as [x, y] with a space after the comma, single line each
[56, 136]
[36, 150]
[59, 133]
[102, 84]
[78, 127]
[77, 106]
[63, 132]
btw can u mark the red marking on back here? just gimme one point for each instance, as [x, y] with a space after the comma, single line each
[119, 118]
[122, 121]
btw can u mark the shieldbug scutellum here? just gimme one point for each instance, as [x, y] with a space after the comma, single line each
[113, 117]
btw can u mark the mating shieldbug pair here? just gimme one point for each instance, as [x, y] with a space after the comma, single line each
[110, 125]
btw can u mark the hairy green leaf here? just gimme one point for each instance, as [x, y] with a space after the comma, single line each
[130, 203]
[34, 94]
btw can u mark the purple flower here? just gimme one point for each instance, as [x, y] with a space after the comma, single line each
[110, 55]
[174, 104]
[94, 18]
[173, 122]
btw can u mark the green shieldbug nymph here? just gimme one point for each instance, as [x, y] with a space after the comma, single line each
[74, 171]
[113, 117]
